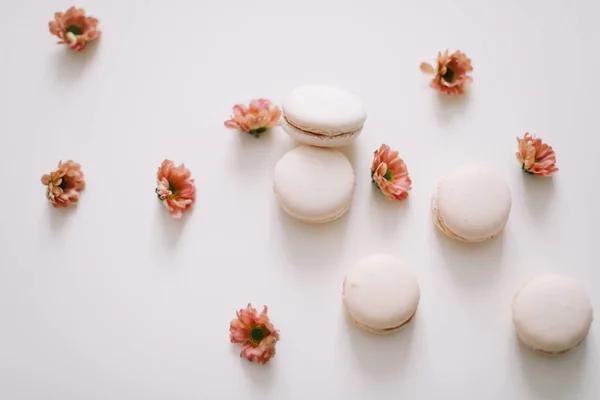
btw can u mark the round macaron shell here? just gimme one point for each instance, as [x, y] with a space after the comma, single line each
[552, 314]
[324, 109]
[381, 293]
[473, 202]
[314, 184]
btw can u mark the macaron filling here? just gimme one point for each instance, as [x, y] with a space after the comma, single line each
[315, 132]
[549, 353]
[385, 330]
[304, 218]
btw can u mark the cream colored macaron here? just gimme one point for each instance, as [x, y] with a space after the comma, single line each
[552, 314]
[314, 184]
[381, 294]
[323, 116]
[471, 204]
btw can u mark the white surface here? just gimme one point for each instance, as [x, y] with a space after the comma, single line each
[324, 110]
[314, 184]
[552, 313]
[380, 292]
[114, 300]
[473, 202]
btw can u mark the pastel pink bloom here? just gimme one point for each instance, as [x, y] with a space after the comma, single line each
[64, 184]
[451, 74]
[390, 174]
[256, 333]
[255, 119]
[74, 29]
[175, 188]
[535, 156]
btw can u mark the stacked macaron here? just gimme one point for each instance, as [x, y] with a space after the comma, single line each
[315, 183]
[323, 116]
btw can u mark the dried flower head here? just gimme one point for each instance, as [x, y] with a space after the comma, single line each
[536, 157]
[74, 29]
[255, 119]
[390, 174]
[175, 188]
[64, 184]
[451, 74]
[256, 333]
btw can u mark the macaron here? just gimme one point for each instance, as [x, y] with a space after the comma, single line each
[471, 204]
[314, 184]
[323, 116]
[552, 314]
[381, 294]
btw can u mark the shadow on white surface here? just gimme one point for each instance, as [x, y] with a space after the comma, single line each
[538, 195]
[171, 229]
[386, 213]
[254, 153]
[259, 376]
[449, 107]
[381, 355]
[71, 65]
[58, 218]
[471, 263]
[554, 377]
[313, 245]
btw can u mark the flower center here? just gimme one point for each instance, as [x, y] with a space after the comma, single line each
[63, 184]
[163, 194]
[257, 334]
[257, 132]
[388, 176]
[526, 170]
[74, 29]
[449, 75]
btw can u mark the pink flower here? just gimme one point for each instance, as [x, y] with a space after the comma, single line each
[451, 74]
[175, 188]
[64, 184]
[536, 157]
[255, 119]
[390, 174]
[74, 29]
[256, 332]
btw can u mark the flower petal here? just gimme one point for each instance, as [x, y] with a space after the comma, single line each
[231, 124]
[427, 68]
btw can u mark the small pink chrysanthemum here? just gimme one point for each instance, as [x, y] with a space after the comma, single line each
[74, 29]
[536, 157]
[175, 188]
[256, 333]
[390, 174]
[64, 184]
[451, 74]
[255, 119]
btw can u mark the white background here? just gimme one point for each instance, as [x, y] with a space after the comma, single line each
[114, 300]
